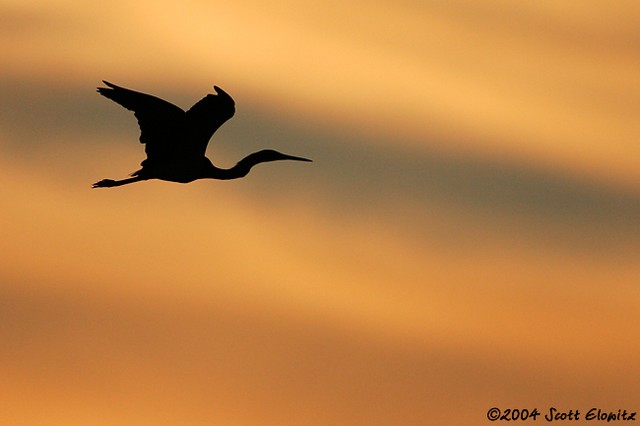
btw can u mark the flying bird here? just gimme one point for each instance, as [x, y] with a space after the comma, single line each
[175, 141]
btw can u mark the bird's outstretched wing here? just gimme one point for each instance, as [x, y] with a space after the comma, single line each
[206, 116]
[162, 124]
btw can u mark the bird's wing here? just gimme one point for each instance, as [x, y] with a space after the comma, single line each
[206, 116]
[162, 124]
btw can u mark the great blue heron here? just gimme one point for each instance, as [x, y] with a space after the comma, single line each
[176, 141]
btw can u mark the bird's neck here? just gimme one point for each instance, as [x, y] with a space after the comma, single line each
[240, 170]
[244, 166]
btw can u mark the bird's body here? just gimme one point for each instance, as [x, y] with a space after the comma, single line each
[176, 141]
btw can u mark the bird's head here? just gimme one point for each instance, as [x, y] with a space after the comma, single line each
[272, 155]
[242, 168]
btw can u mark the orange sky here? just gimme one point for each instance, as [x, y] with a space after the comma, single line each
[466, 237]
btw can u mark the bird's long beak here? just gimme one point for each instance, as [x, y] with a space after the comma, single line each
[292, 157]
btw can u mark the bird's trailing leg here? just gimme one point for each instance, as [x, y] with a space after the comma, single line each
[109, 183]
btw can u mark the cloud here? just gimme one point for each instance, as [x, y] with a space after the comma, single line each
[469, 223]
[352, 172]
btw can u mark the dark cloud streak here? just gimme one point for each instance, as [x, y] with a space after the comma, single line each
[356, 173]
[349, 173]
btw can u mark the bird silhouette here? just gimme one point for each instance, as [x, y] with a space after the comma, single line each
[176, 141]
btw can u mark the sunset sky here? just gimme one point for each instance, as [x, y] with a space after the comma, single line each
[467, 236]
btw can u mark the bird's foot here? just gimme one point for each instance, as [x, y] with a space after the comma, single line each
[104, 183]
